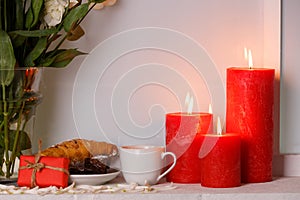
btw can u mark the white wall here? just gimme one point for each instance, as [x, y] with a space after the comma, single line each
[290, 82]
[144, 57]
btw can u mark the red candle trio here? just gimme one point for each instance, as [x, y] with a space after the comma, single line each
[245, 152]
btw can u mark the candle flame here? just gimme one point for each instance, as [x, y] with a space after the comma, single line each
[189, 102]
[210, 109]
[248, 57]
[219, 127]
[250, 62]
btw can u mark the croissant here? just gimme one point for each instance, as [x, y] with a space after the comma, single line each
[79, 149]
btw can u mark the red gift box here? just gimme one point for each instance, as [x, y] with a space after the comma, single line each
[43, 171]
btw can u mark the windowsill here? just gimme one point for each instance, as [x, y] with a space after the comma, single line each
[279, 188]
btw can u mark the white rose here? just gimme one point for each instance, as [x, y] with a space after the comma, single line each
[54, 10]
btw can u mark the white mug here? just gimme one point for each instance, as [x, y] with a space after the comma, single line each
[143, 164]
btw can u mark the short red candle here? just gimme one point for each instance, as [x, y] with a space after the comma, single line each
[220, 160]
[183, 138]
[250, 103]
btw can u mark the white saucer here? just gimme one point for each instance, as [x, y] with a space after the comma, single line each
[93, 179]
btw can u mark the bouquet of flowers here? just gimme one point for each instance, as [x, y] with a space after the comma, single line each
[31, 35]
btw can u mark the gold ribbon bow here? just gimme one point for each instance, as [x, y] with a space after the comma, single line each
[37, 166]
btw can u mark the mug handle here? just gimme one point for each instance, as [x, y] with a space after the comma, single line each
[170, 168]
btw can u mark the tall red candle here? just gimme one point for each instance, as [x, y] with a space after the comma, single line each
[183, 138]
[250, 104]
[220, 160]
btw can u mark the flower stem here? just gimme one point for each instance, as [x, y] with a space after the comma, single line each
[16, 140]
[6, 142]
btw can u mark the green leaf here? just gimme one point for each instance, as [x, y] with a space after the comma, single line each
[33, 13]
[35, 33]
[19, 14]
[37, 6]
[63, 57]
[74, 15]
[7, 59]
[36, 52]
[29, 18]
[46, 62]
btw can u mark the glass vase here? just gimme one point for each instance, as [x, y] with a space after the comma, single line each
[19, 96]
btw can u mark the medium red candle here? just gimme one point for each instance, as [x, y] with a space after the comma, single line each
[183, 138]
[250, 103]
[220, 160]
